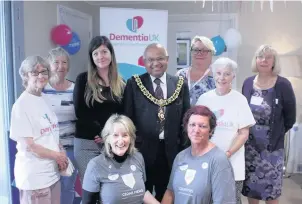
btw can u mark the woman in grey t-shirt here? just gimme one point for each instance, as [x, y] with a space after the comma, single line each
[117, 176]
[201, 174]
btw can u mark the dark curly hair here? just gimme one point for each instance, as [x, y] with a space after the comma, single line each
[202, 111]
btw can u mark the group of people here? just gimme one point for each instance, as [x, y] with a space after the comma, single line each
[157, 138]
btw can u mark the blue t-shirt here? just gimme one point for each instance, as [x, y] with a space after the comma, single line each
[116, 182]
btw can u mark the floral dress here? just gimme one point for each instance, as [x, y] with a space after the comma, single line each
[264, 169]
[197, 88]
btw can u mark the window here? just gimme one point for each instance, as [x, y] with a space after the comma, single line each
[6, 95]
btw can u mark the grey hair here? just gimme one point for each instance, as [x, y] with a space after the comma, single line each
[267, 49]
[29, 65]
[57, 52]
[154, 45]
[206, 41]
[224, 62]
[107, 132]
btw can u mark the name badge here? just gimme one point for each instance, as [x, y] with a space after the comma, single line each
[255, 100]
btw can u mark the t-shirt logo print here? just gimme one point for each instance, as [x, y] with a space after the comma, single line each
[189, 176]
[183, 167]
[47, 118]
[205, 165]
[133, 167]
[129, 180]
[219, 113]
[113, 177]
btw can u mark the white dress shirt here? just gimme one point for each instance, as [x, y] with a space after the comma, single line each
[163, 85]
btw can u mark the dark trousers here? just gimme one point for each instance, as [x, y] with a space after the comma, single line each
[158, 174]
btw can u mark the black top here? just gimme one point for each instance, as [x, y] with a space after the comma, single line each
[91, 120]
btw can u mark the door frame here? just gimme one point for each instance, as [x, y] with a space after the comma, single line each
[61, 8]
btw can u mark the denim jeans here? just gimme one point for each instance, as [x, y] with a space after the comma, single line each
[67, 183]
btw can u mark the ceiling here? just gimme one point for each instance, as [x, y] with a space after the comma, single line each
[176, 7]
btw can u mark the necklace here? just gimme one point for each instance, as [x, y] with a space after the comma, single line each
[263, 85]
[160, 102]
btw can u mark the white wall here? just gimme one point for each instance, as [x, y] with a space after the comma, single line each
[281, 28]
[206, 25]
[41, 16]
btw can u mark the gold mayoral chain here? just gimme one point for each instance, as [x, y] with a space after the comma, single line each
[160, 102]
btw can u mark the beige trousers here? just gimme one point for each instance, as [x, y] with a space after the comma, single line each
[49, 195]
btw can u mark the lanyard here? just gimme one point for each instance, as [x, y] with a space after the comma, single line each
[189, 79]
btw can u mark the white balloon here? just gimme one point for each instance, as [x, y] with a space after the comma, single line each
[232, 38]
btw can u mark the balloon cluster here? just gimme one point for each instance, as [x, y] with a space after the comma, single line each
[231, 40]
[62, 35]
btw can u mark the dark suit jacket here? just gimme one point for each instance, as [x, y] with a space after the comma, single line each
[143, 113]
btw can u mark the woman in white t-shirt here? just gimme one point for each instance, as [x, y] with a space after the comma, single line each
[234, 117]
[34, 126]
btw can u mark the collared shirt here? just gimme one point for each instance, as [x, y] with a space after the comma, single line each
[163, 85]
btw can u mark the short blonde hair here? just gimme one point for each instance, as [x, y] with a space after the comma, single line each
[107, 132]
[267, 49]
[58, 52]
[224, 62]
[206, 41]
[29, 65]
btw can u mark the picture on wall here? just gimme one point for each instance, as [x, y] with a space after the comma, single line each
[183, 53]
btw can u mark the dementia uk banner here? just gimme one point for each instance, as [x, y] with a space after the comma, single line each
[130, 31]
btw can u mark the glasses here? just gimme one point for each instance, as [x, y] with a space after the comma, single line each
[202, 51]
[159, 59]
[44, 73]
[262, 57]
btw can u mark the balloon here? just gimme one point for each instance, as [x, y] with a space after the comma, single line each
[141, 61]
[61, 34]
[218, 44]
[232, 38]
[74, 45]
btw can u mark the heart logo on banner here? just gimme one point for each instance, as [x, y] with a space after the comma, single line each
[129, 180]
[189, 176]
[135, 23]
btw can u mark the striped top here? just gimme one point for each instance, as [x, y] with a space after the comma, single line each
[61, 102]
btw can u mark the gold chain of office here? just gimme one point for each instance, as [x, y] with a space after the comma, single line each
[160, 102]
